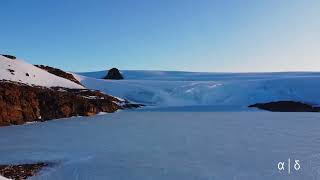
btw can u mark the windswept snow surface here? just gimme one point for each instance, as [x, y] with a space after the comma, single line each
[169, 88]
[3, 178]
[23, 72]
[169, 146]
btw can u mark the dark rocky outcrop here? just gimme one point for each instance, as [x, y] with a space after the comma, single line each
[22, 171]
[114, 74]
[286, 106]
[11, 71]
[8, 56]
[59, 72]
[21, 103]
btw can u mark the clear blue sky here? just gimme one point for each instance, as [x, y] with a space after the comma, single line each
[192, 35]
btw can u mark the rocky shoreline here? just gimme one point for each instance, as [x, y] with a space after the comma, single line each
[286, 106]
[22, 171]
[20, 103]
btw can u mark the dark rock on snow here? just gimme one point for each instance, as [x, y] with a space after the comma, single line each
[11, 71]
[8, 56]
[114, 73]
[286, 106]
[22, 171]
[59, 72]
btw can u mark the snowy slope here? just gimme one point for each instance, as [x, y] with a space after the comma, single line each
[3, 178]
[169, 146]
[163, 88]
[28, 74]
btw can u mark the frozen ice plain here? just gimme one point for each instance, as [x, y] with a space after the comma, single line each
[140, 145]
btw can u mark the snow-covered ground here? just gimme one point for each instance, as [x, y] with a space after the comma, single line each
[3, 178]
[170, 88]
[169, 145]
[28, 74]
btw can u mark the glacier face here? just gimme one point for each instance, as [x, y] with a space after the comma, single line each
[160, 88]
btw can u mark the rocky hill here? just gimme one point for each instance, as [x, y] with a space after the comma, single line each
[20, 71]
[114, 74]
[28, 93]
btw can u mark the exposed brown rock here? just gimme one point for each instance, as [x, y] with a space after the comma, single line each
[21, 103]
[22, 171]
[286, 106]
[59, 72]
[114, 74]
[17, 103]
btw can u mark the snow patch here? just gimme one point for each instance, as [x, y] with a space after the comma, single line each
[3, 178]
[22, 72]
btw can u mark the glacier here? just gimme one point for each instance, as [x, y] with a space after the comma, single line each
[173, 88]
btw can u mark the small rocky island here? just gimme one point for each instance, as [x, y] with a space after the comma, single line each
[114, 74]
[286, 106]
[21, 171]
